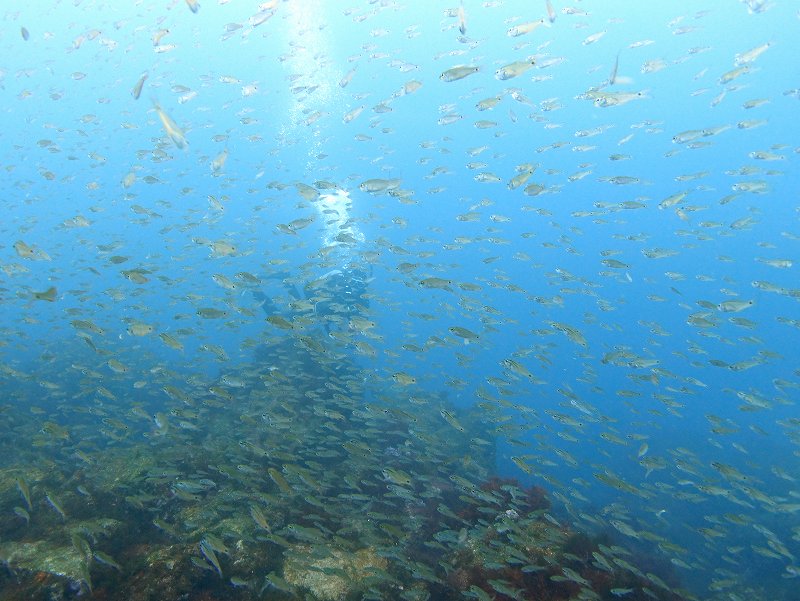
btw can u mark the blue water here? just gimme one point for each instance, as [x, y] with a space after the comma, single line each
[522, 266]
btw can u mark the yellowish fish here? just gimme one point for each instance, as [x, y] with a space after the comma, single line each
[734, 306]
[458, 72]
[25, 491]
[158, 35]
[137, 89]
[171, 128]
[259, 518]
[48, 295]
[751, 55]
[403, 378]
[278, 479]
[520, 179]
[211, 313]
[464, 333]
[523, 28]
[219, 161]
[224, 281]
[138, 328]
[396, 476]
[117, 366]
[514, 69]
[30, 252]
[451, 419]
[280, 322]
[435, 282]
[222, 248]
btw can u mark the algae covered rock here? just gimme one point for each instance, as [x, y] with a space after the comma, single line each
[331, 574]
[43, 556]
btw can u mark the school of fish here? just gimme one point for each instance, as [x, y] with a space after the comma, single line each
[569, 367]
